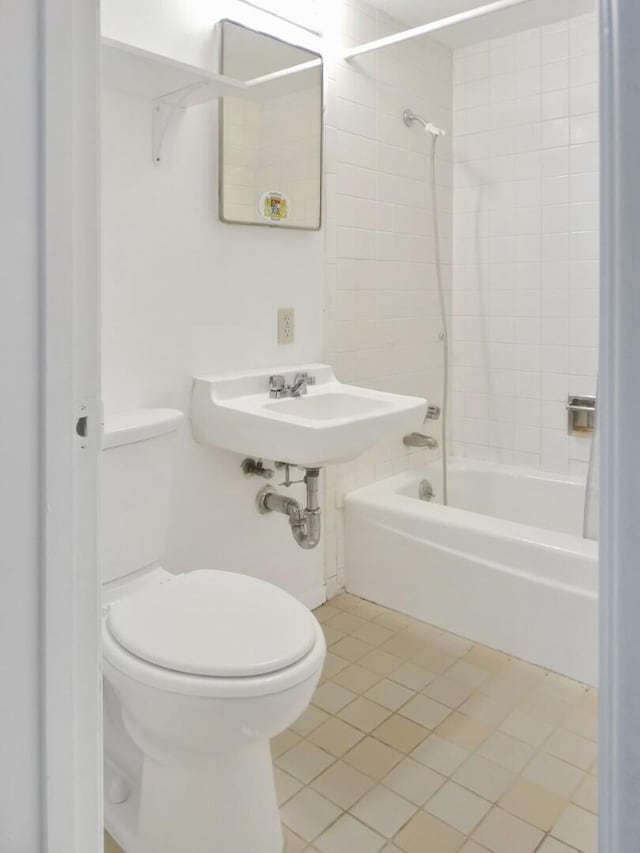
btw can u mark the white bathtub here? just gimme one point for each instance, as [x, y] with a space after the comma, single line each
[504, 564]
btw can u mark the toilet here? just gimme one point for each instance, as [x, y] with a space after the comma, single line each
[200, 669]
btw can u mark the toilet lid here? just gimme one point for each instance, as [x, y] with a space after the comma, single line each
[214, 623]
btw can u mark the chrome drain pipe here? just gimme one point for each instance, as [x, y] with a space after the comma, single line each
[305, 523]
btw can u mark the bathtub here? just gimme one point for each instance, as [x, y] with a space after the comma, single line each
[504, 564]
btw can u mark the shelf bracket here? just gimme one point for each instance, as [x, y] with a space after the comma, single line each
[165, 110]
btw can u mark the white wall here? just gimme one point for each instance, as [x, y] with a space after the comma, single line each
[384, 318]
[184, 294]
[20, 486]
[525, 298]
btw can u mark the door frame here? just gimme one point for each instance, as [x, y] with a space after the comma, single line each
[69, 222]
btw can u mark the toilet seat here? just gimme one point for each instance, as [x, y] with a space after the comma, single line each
[212, 633]
[214, 623]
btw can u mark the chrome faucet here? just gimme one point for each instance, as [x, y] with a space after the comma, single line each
[278, 387]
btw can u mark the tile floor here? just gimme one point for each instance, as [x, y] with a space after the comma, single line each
[419, 741]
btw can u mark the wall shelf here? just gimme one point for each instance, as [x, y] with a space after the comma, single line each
[128, 68]
[170, 85]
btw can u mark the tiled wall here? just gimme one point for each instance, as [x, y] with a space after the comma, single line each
[525, 249]
[383, 317]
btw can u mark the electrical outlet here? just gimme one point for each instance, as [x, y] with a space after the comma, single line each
[286, 325]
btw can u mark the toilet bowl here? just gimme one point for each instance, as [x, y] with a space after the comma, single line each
[206, 778]
[200, 671]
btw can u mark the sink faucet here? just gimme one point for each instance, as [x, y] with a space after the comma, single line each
[278, 387]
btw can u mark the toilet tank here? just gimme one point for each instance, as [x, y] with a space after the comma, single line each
[138, 456]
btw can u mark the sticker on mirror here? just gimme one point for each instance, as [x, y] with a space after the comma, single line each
[274, 206]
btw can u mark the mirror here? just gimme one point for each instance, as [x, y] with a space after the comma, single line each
[270, 141]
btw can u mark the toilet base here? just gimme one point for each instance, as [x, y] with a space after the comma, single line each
[226, 804]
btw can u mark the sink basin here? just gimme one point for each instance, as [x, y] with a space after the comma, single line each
[332, 423]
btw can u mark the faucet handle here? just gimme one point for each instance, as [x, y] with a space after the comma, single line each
[305, 377]
[276, 385]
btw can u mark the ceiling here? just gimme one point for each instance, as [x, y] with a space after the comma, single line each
[533, 13]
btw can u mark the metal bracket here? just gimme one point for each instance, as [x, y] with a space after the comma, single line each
[164, 112]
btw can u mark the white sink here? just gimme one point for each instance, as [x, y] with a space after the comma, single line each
[331, 423]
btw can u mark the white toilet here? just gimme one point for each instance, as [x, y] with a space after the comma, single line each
[200, 670]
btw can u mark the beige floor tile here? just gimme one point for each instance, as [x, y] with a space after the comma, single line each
[486, 710]
[545, 708]
[368, 609]
[427, 712]
[472, 847]
[389, 694]
[325, 612]
[373, 758]
[486, 658]
[384, 811]
[463, 730]
[452, 644]
[284, 741]
[351, 649]
[533, 804]
[332, 635]
[346, 622]
[553, 774]
[332, 697]
[333, 664]
[426, 834]
[572, 748]
[346, 601]
[390, 848]
[364, 714]
[348, 835]
[587, 794]
[458, 807]
[335, 736]
[433, 660]
[308, 814]
[561, 687]
[413, 781]
[373, 634]
[392, 620]
[552, 845]
[356, 678]
[401, 733]
[501, 832]
[528, 729]
[403, 645]
[305, 761]
[286, 785]
[440, 755]
[578, 828]
[582, 722]
[342, 784]
[110, 845]
[448, 692]
[412, 676]
[506, 751]
[380, 661]
[468, 673]
[483, 777]
[310, 720]
[293, 843]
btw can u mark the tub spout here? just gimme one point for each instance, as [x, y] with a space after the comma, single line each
[417, 439]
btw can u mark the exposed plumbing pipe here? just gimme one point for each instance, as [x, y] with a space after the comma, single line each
[305, 523]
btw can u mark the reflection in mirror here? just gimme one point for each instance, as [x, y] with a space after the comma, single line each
[271, 141]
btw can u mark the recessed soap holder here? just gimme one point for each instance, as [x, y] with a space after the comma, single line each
[581, 415]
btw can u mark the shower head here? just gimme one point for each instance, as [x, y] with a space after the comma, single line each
[408, 116]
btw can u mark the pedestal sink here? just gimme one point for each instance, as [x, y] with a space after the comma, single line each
[331, 422]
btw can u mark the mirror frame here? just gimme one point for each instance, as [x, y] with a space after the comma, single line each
[276, 225]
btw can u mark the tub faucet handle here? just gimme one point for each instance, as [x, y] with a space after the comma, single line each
[433, 413]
